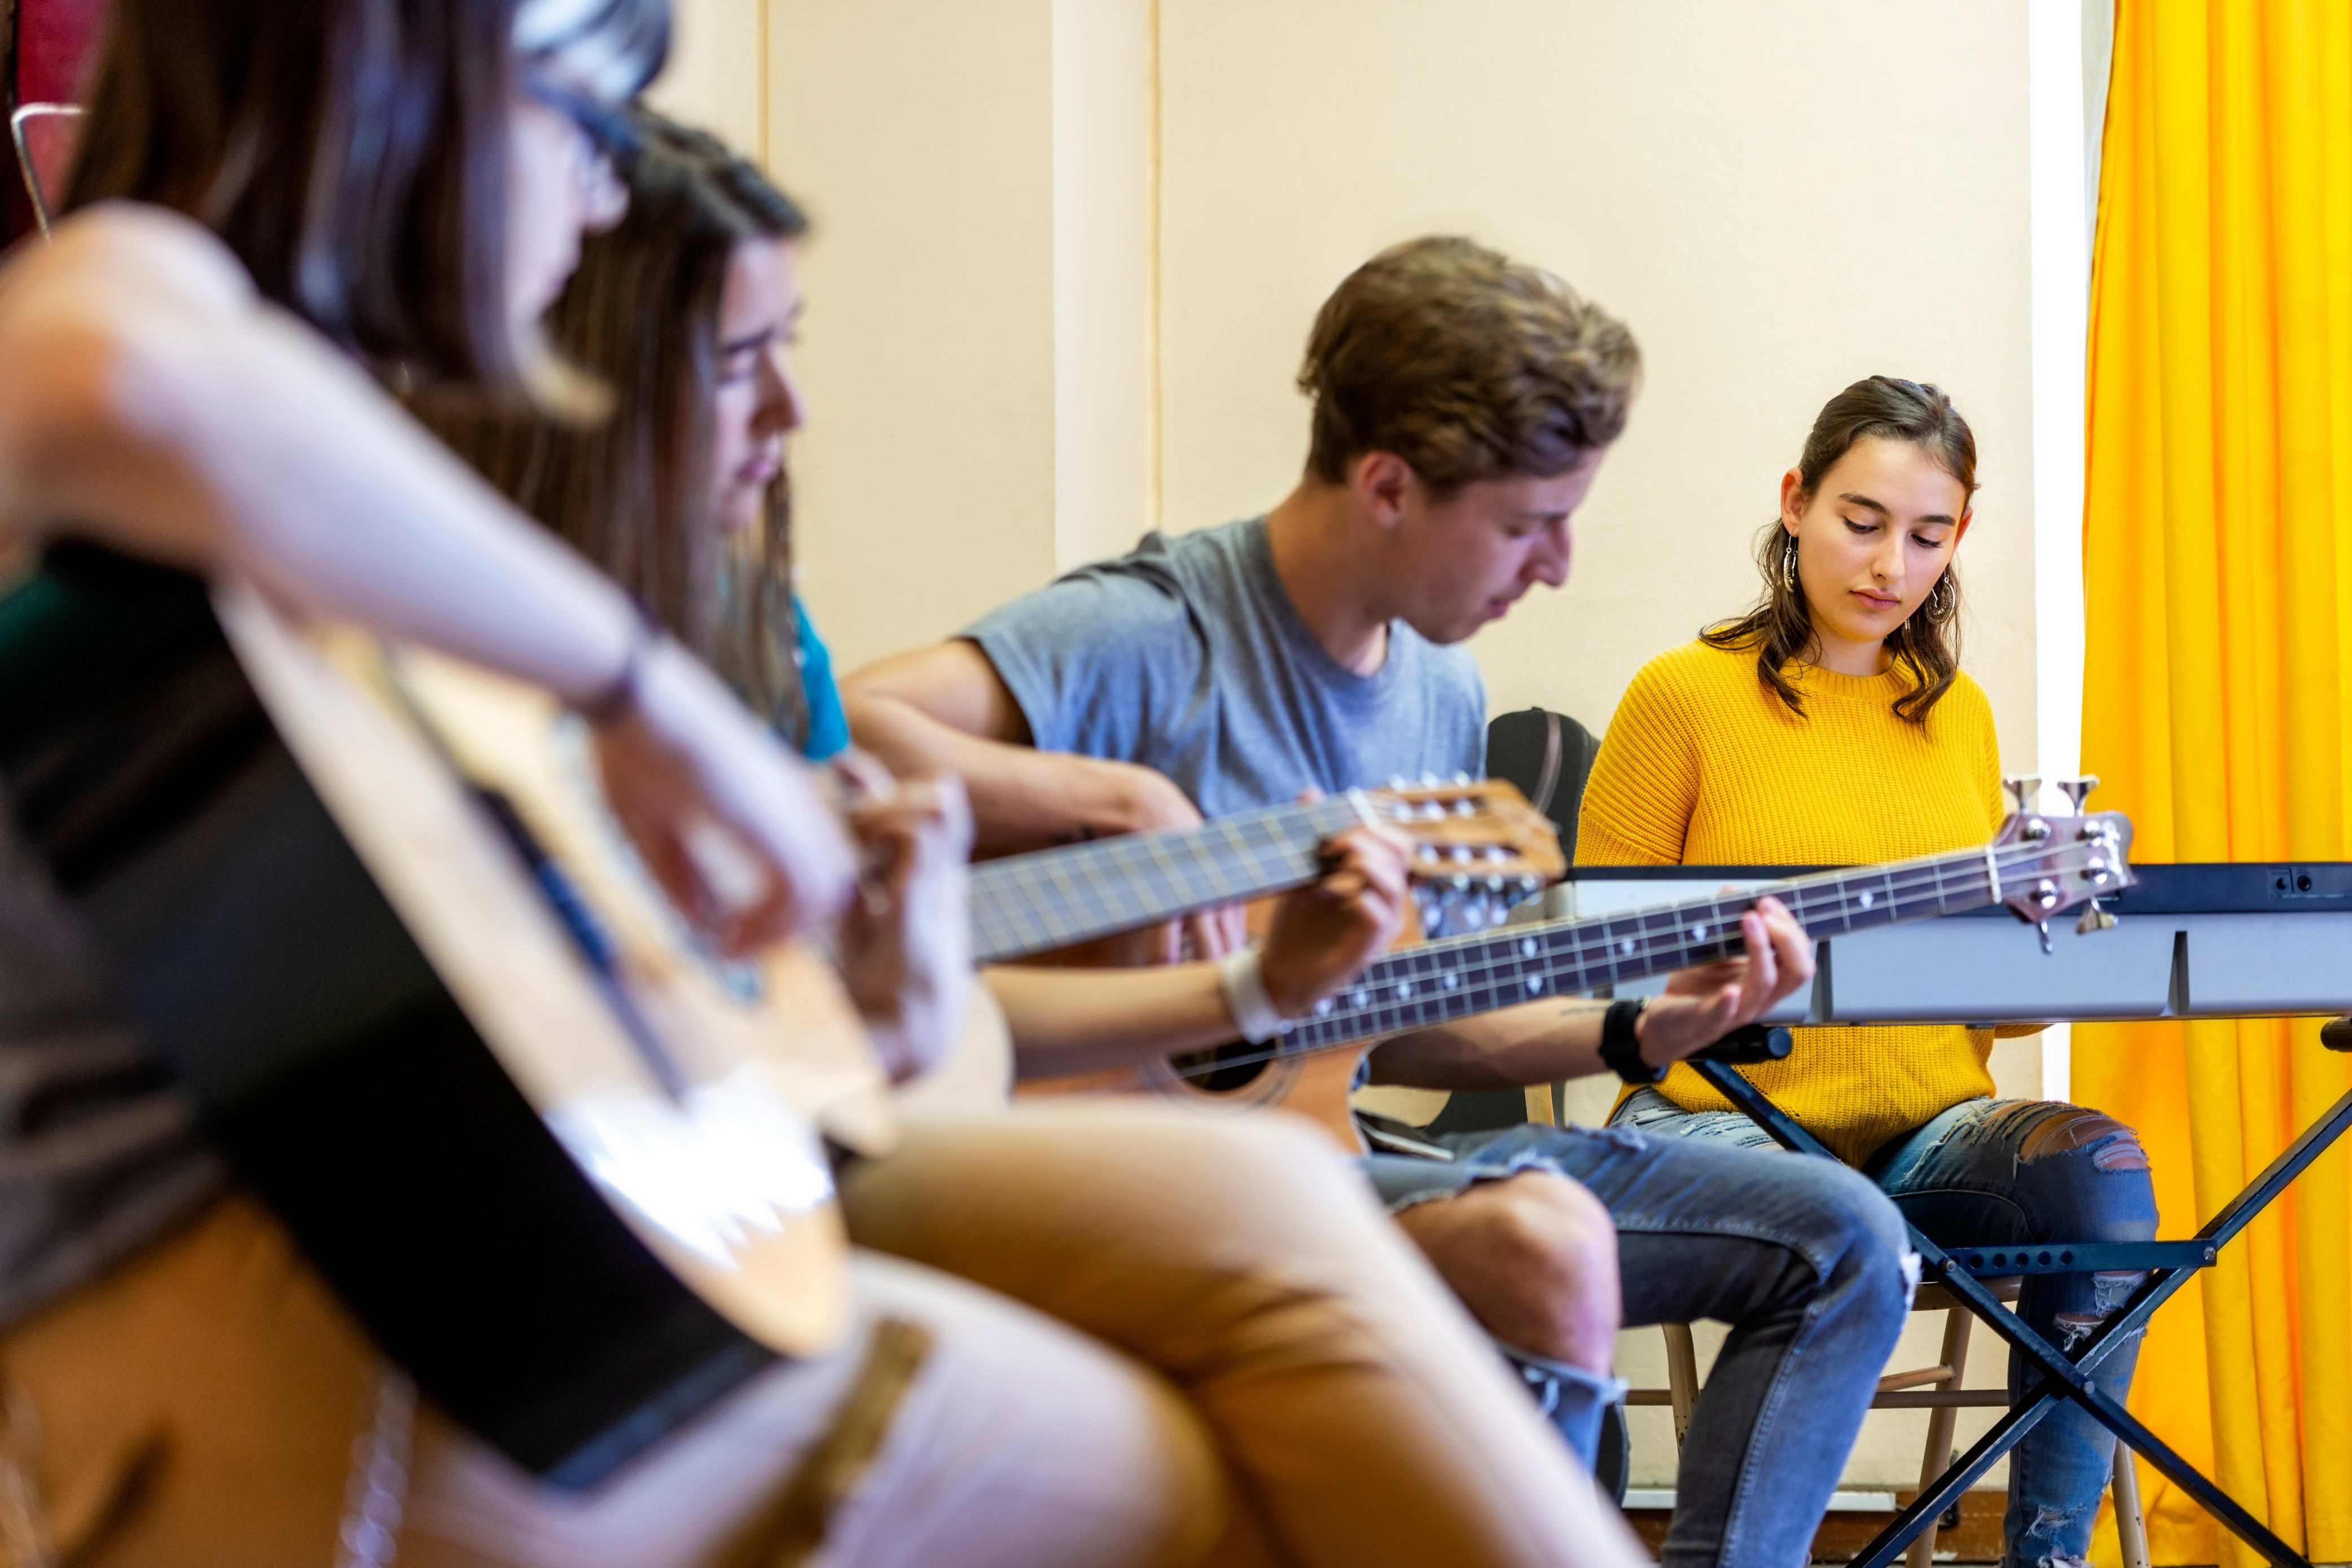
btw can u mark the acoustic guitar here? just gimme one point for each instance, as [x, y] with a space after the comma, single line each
[1479, 849]
[2038, 865]
[561, 1165]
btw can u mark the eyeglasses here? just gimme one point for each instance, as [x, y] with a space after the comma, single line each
[610, 140]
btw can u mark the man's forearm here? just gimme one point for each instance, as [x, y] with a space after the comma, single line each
[1022, 798]
[1091, 1021]
[1541, 1043]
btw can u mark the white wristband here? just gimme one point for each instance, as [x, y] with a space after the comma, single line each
[1244, 983]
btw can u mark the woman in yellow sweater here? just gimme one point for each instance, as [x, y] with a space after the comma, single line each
[1832, 725]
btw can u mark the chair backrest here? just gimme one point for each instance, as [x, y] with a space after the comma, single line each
[1548, 756]
[45, 50]
[45, 135]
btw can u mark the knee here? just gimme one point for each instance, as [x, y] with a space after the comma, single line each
[2084, 1176]
[1534, 1257]
[1554, 1229]
[1857, 1242]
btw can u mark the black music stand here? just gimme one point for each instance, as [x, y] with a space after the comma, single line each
[2169, 1265]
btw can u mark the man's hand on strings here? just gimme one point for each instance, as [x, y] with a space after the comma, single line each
[1702, 1004]
[1322, 936]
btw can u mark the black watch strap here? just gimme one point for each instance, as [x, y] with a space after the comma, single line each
[1621, 1045]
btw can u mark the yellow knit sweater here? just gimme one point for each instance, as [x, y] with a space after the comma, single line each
[1702, 765]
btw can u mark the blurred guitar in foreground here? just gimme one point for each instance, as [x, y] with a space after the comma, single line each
[563, 1169]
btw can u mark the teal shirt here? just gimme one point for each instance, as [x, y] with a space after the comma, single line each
[828, 731]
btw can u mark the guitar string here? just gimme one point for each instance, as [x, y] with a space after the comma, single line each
[1136, 881]
[1564, 945]
[1249, 870]
[1119, 874]
[1119, 893]
[1360, 1022]
[1650, 959]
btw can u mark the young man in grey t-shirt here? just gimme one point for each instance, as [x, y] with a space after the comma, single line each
[1462, 405]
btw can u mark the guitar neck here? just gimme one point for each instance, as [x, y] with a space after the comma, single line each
[1055, 898]
[1442, 981]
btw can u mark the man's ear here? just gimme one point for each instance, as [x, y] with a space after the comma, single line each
[1383, 483]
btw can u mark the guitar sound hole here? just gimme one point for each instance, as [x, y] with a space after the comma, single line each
[1224, 1070]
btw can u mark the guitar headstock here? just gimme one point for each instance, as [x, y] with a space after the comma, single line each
[1479, 849]
[2051, 861]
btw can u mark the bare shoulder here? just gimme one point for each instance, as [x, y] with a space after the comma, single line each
[122, 257]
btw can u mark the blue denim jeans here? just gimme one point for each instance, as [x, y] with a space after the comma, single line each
[2010, 1172]
[1804, 1259]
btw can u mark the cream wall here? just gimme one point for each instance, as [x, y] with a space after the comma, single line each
[1068, 250]
[1778, 199]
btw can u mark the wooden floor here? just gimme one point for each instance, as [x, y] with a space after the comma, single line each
[1843, 1534]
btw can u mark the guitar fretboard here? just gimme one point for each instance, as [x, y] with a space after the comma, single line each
[1457, 978]
[1051, 898]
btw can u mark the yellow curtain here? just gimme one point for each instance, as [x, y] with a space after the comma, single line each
[2218, 553]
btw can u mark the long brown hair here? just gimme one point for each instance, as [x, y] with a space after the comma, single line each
[1926, 646]
[353, 152]
[633, 493]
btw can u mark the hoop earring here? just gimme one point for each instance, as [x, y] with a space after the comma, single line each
[1789, 564]
[1943, 596]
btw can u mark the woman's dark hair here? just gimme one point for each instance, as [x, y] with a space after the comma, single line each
[353, 152]
[1779, 628]
[633, 493]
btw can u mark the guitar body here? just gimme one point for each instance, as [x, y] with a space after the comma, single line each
[1229, 1078]
[334, 949]
[2036, 866]
[1315, 1085]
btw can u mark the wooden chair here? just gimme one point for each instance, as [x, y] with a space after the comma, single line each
[1936, 1389]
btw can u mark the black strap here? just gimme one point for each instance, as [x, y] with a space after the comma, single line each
[1548, 782]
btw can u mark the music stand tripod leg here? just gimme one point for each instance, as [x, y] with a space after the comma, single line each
[2063, 1378]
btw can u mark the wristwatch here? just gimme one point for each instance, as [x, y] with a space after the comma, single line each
[1621, 1043]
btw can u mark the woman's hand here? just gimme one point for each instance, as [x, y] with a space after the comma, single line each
[1322, 936]
[732, 825]
[906, 941]
[1702, 1004]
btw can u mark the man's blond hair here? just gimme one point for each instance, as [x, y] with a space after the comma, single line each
[1464, 364]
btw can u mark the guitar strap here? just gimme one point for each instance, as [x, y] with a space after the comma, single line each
[791, 1531]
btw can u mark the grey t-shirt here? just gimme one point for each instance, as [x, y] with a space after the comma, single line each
[1187, 657]
[98, 1154]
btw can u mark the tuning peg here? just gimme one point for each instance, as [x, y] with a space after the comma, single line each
[2023, 792]
[2093, 919]
[2077, 789]
[1460, 779]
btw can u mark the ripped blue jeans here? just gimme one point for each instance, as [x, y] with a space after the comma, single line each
[2012, 1172]
[1803, 1259]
